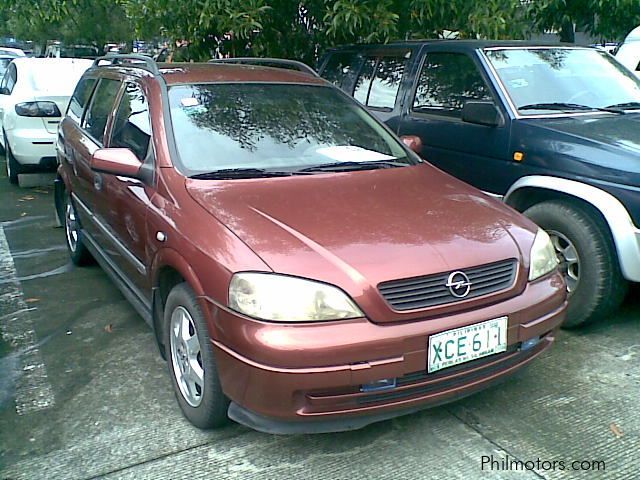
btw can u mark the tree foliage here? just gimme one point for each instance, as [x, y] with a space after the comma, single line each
[73, 21]
[301, 29]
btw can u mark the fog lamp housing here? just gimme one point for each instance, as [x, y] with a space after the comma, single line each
[377, 385]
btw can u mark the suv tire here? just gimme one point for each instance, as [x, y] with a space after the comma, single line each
[600, 287]
[191, 361]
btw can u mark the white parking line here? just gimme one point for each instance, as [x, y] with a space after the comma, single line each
[33, 390]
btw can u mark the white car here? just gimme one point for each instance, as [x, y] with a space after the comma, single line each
[628, 52]
[12, 52]
[34, 95]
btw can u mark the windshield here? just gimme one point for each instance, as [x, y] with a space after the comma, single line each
[545, 80]
[274, 126]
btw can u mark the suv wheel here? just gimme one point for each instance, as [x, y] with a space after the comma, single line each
[13, 167]
[191, 361]
[587, 257]
[73, 234]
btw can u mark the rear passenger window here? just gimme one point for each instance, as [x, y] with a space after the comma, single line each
[361, 92]
[95, 120]
[338, 68]
[10, 78]
[80, 97]
[132, 126]
[386, 82]
[446, 82]
[379, 81]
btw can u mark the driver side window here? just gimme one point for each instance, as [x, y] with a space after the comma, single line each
[446, 82]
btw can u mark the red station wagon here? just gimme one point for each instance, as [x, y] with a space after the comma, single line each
[303, 269]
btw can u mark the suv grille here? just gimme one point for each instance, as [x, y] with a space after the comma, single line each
[428, 291]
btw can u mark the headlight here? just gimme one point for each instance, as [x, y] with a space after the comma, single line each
[288, 299]
[543, 256]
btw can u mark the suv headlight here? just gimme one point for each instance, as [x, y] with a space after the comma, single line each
[288, 299]
[543, 256]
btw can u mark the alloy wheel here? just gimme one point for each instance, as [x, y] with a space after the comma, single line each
[186, 356]
[71, 226]
[568, 258]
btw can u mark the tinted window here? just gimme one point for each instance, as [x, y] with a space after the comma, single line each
[446, 82]
[386, 82]
[80, 98]
[272, 126]
[338, 68]
[132, 127]
[361, 92]
[96, 118]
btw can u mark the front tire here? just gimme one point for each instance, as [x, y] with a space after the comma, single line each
[191, 361]
[588, 260]
[73, 234]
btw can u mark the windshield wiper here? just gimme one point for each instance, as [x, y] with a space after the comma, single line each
[625, 105]
[570, 106]
[238, 173]
[350, 166]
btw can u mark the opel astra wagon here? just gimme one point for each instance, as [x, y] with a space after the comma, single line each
[302, 268]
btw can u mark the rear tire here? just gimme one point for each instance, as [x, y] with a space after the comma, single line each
[191, 361]
[13, 167]
[588, 260]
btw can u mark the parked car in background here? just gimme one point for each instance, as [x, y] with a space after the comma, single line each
[33, 93]
[12, 52]
[552, 130]
[628, 53]
[57, 50]
[303, 270]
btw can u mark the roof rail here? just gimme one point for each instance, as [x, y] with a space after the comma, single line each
[269, 62]
[129, 59]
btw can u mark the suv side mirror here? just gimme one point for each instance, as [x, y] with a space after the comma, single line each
[4, 91]
[482, 113]
[413, 142]
[116, 161]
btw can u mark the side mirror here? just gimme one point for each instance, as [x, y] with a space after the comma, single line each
[4, 91]
[482, 113]
[116, 161]
[413, 142]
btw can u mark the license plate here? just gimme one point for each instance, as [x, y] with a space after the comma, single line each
[464, 344]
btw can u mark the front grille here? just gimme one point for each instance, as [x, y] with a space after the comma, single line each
[430, 290]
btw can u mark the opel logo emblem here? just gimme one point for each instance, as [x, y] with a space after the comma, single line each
[458, 284]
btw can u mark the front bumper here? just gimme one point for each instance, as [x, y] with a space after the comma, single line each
[303, 380]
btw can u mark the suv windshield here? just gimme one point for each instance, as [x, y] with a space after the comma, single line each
[269, 127]
[544, 80]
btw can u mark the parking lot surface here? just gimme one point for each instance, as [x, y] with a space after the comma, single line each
[84, 393]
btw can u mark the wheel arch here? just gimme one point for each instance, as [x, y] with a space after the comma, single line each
[169, 269]
[531, 190]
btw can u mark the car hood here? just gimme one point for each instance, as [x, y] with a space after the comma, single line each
[358, 229]
[612, 132]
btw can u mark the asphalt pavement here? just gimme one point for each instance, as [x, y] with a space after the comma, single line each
[84, 394]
